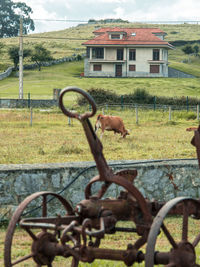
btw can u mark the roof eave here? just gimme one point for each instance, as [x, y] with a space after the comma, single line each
[131, 45]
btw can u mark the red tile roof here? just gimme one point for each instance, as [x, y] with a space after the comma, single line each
[142, 36]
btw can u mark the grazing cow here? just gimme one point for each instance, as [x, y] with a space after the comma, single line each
[191, 129]
[111, 123]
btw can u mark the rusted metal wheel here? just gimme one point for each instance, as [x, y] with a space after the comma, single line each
[36, 231]
[174, 250]
[136, 199]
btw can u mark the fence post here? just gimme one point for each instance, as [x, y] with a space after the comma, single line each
[29, 100]
[136, 113]
[198, 112]
[187, 103]
[70, 120]
[31, 117]
[170, 113]
[122, 101]
[154, 103]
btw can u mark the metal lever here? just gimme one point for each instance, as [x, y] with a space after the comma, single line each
[96, 146]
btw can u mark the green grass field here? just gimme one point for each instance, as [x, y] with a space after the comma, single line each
[40, 84]
[52, 139]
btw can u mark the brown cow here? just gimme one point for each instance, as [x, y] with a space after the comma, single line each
[110, 123]
[191, 129]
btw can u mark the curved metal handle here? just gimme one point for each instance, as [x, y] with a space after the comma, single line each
[77, 115]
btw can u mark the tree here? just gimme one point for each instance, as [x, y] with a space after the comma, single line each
[188, 50]
[40, 54]
[196, 50]
[10, 13]
[14, 54]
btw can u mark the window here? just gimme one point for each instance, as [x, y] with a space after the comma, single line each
[131, 67]
[97, 67]
[98, 52]
[88, 52]
[120, 54]
[156, 54]
[132, 54]
[154, 68]
[115, 36]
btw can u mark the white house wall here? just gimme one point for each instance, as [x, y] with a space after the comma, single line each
[142, 63]
[110, 53]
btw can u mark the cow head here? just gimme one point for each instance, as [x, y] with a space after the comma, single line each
[127, 132]
[97, 124]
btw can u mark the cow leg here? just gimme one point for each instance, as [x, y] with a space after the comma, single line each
[97, 126]
[102, 132]
[96, 129]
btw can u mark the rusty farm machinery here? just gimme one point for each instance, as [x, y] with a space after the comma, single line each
[79, 232]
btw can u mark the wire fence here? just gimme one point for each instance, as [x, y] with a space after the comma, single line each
[187, 112]
[26, 96]
[148, 106]
[32, 101]
[154, 106]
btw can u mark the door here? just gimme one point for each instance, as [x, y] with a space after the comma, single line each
[118, 70]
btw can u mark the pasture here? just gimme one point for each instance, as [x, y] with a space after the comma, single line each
[52, 138]
[40, 84]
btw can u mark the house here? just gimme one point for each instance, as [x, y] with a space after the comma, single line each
[127, 52]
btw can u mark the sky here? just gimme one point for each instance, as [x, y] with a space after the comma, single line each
[74, 12]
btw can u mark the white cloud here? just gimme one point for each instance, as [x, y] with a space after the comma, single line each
[179, 10]
[187, 9]
[107, 1]
[132, 10]
[119, 12]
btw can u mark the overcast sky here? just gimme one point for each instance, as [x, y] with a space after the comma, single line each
[131, 10]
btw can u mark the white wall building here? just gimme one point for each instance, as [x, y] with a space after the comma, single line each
[127, 52]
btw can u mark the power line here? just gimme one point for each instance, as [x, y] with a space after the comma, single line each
[62, 38]
[139, 21]
[63, 20]
[167, 21]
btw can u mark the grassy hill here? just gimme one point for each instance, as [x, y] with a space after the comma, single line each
[69, 41]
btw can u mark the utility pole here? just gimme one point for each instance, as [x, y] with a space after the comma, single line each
[21, 59]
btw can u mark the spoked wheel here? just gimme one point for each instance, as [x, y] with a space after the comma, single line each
[172, 241]
[37, 233]
[135, 198]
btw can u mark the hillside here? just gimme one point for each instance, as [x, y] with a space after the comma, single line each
[69, 41]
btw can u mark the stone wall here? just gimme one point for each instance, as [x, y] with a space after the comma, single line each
[160, 179]
[6, 73]
[74, 57]
[27, 103]
[173, 73]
